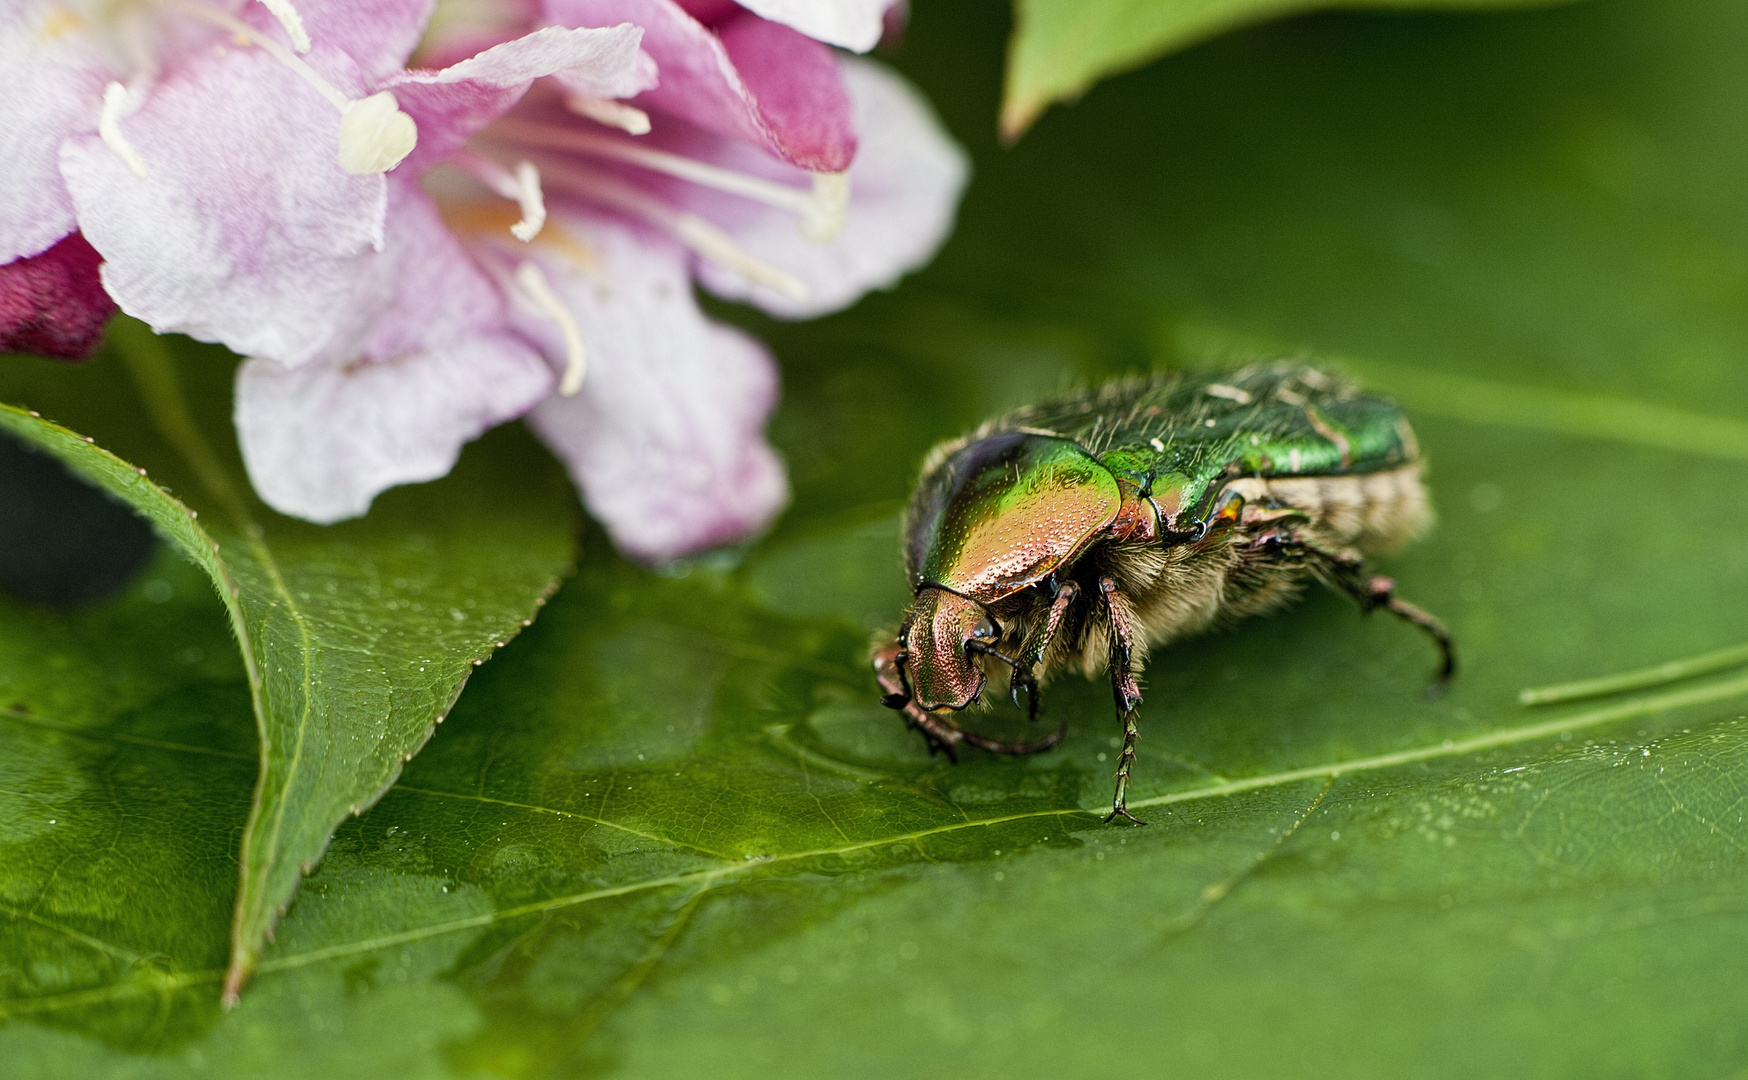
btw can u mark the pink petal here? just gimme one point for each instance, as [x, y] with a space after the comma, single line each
[378, 35]
[797, 89]
[436, 370]
[243, 229]
[451, 105]
[853, 24]
[904, 191]
[760, 82]
[53, 304]
[664, 438]
[54, 88]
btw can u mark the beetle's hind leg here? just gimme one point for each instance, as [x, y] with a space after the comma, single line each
[1381, 592]
[1124, 689]
[1372, 591]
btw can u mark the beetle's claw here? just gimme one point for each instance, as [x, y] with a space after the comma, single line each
[1122, 811]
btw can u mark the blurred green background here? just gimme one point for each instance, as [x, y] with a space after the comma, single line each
[669, 830]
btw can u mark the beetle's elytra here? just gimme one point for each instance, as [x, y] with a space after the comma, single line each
[1084, 530]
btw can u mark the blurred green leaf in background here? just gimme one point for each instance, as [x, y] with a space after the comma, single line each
[670, 831]
[1061, 48]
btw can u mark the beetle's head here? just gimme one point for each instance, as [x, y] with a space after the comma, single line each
[940, 644]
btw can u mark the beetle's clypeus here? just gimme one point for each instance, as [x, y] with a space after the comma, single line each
[1081, 531]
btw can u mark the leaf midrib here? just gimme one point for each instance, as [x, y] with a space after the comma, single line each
[148, 362]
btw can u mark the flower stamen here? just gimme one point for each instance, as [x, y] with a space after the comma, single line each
[821, 210]
[523, 186]
[109, 129]
[627, 118]
[539, 291]
[696, 233]
[292, 21]
[827, 211]
[375, 135]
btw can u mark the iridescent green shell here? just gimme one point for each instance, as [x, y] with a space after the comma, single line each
[1005, 511]
[1025, 494]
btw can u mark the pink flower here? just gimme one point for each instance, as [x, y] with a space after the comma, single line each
[135, 82]
[53, 304]
[529, 252]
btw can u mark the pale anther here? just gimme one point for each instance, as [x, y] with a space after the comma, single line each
[539, 290]
[523, 185]
[532, 201]
[375, 135]
[627, 118]
[292, 21]
[823, 218]
[109, 129]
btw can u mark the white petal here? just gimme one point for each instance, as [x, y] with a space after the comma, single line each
[321, 441]
[851, 24]
[54, 88]
[436, 367]
[245, 229]
[664, 438]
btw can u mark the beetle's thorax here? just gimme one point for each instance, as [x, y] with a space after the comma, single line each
[1006, 511]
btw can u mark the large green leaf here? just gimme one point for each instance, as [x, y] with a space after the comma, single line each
[1061, 48]
[669, 831]
[355, 639]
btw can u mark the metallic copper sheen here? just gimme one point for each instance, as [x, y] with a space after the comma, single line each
[1007, 511]
[941, 674]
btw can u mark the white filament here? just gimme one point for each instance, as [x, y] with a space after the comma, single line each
[539, 290]
[523, 185]
[292, 21]
[627, 118]
[375, 135]
[821, 210]
[109, 129]
[714, 244]
[690, 229]
[531, 199]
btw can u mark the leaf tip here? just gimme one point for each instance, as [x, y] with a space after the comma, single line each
[235, 976]
[1019, 113]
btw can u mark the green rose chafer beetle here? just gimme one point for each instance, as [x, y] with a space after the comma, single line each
[1081, 531]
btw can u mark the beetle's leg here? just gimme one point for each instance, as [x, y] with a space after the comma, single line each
[1012, 749]
[1033, 652]
[939, 732]
[1372, 591]
[1123, 688]
[940, 736]
[1381, 592]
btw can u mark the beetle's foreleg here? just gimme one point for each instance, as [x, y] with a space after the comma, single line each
[888, 663]
[1123, 688]
[1032, 654]
[939, 732]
